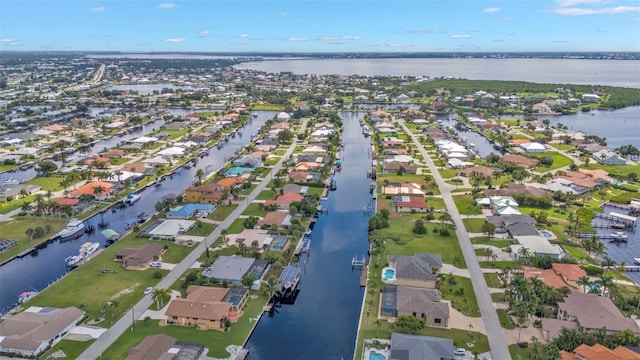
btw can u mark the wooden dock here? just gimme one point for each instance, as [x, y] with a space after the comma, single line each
[363, 276]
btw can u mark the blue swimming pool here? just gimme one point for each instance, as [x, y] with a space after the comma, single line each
[376, 356]
[546, 234]
[390, 274]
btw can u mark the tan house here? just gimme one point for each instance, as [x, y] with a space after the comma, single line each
[205, 194]
[476, 170]
[519, 160]
[139, 259]
[206, 307]
[570, 273]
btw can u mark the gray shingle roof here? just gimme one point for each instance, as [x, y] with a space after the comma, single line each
[417, 347]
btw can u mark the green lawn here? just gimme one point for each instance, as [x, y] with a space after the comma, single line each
[577, 253]
[447, 174]
[248, 190]
[174, 134]
[236, 226]
[466, 205]
[118, 161]
[406, 178]
[466, 301]
[51, 183]
[621, 170]
[126, 286]
[473, 225]
[254, 210]
[214, 340]
[493, 242]
[401, 241]
[505, 320]
[221, 212]
[201, 229]
[435, 203]
[559, 161]
[266, 195]
[16, 228]
[492, 280]
[15, 204]
[315, 191]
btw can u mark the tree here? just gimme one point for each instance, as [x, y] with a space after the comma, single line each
[156, 295]
[200, 175]
[607, 263]
[26, 207]
[254, 245]
[584, 281]
[46, 167]
[29, 232]
[489, 229]
[419, 228]
[248, 280]
[270, 287]
[524, 253]
[98, 190]
[606, 282]
[224, 233]
[410, 323]
[377, 323]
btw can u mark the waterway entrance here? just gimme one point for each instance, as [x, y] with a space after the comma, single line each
[322, 323]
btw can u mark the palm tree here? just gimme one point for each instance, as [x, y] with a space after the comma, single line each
[26, 206]
[49, 194]
[584, 281]
[200, 175]
[524, 253]
[224, 233]
[607, 263]
[377, 323]
[114, 304]
[156, 295]
[254, 245]
[599, 248]
[30, 232]
[606, 282]
[118, 173]
[98, 190]
[270, 286]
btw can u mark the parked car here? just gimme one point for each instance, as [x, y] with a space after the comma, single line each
[460, 351]
[155, 264]
[148, 290]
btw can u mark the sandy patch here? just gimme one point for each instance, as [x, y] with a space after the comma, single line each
[124, 291]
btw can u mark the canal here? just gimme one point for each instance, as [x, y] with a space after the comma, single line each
[322, 323]
[44, 266]
[482, 144]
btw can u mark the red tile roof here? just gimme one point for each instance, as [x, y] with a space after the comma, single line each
[548, 276]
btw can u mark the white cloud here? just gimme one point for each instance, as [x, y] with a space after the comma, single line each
[399, 45]
[97, 9]
[422, 31]
[599, 11]
[463, 36]
[491, 10]
[175, 40]
[243, 36]
[10, 42]
[167, 6]
[339, 38]
[6, 40]
[297, 39]
[590, 7]
[203, 33]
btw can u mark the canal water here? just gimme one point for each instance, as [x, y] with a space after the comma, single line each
[482, 144]
[37, 270]
[322, 323]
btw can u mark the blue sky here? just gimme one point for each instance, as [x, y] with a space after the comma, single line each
[321, 26]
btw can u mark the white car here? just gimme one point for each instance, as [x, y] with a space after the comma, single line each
[460, 351]
[148, 290]
[155, 264]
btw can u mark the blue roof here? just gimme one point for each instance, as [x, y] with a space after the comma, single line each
[238, 170]
[188, 209]
[289, 273]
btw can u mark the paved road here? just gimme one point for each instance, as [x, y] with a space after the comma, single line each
[125, 322]
[495, 333]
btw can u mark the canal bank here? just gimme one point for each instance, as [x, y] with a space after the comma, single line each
[322, 321]
[38, 270]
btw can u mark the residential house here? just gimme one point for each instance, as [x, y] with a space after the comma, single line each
[570, 273]
[230, 269]
[230, 182]
[590, 98]
[421, 303]
[536, 245]
[541, 108]
[591, 312]
[599, 352]
[206, 194]
[281, 219]
[608, 157]
[408, 203]
[299, 176]
[533, 147]
[30, 332]
[418, 347]
[548, 276]
[402, 189]
[503, 205]
[140, 168]
[113, 153]
[161, 346]
[139, 259]
[476, 170]
[419, 270]
[283, 201]
[513, 189]
[188, 210]
[395, 166]
[248, 161]
[504, 223]
[203, 315]
[307, 166]
[99, 189]
[519, 160]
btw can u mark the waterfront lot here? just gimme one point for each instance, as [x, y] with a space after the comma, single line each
[16, 230]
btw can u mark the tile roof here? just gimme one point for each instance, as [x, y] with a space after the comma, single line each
[548, 276]
[570, 272]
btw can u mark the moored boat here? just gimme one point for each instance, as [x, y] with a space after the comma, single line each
[25, 296]
[131, 198]
[73, 229]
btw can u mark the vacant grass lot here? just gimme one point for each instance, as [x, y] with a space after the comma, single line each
[201, 229]
[401, 241]
[559, 161]
[492, 280]
[493, 242]
[266, 195]
[16, 228]
[461, 295]
[254, 209]
[221, 212]
[51, 183]
[466, 205]
[473, 225]
[236, 226]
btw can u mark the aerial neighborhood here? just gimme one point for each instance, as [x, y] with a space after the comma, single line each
[182, 201]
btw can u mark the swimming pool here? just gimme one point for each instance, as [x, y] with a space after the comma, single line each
[376, 356]
[546, 234]
[388, 274]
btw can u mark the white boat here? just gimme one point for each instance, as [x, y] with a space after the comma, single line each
[74, 228]
[85, 251]
[131, 198]
[25, 296]
[619, 236]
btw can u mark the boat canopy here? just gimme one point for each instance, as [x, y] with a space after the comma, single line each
[109, 233]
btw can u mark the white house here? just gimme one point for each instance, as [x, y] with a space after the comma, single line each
[608, 157]
[590, 98]
[283, 116]
[532, 147]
